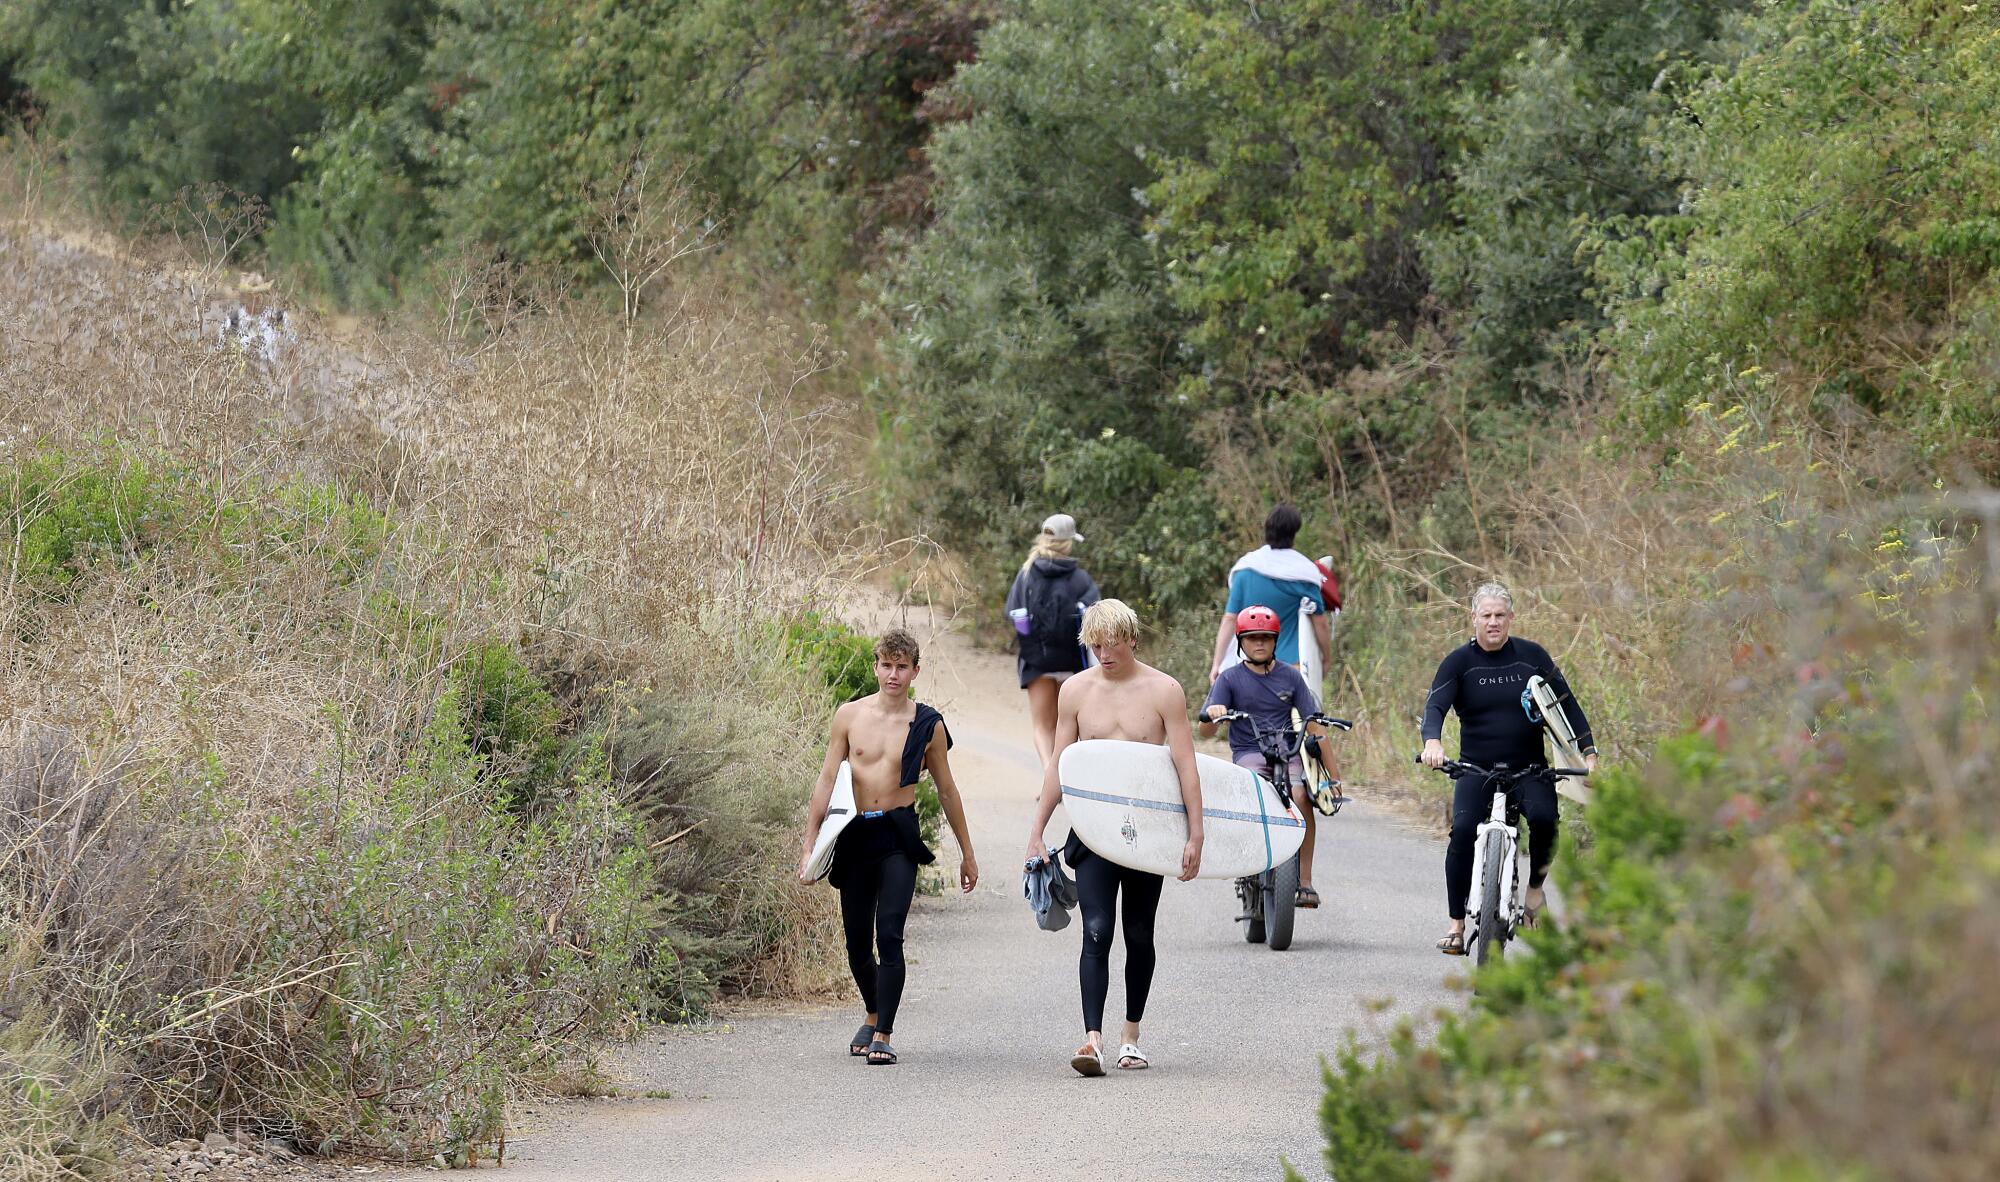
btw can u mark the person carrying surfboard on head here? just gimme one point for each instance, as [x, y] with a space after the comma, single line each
[1046, 604]
[1284, 580]
[1270, 691]
[1121, 697]
[887, 740]
[1482, 681]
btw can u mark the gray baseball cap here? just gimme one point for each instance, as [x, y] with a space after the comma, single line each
[1061, 527]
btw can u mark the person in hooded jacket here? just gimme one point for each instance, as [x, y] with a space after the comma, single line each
[1046, 604]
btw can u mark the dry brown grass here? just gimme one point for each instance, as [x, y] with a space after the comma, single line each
[351, 509]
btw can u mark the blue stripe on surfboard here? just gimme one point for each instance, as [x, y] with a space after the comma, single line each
[1169, 807]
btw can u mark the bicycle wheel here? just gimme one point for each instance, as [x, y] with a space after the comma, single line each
[1492, 930]
[1280, 902]
[1252, 895]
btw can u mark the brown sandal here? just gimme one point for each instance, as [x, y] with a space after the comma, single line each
[1453, 944]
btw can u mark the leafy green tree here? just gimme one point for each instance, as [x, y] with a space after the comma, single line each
[1563, 148]
[1037, 338]
[798, 119]
[165, 96]
[1291, 228]
[1839, 230]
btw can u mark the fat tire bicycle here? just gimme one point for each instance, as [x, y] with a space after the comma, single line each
[1270, 900]
[1496, 886]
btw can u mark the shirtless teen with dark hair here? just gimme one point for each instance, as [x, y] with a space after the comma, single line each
[888, 741]
[1120, 698]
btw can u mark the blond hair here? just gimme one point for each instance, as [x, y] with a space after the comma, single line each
[1109, 621]
[1048, 546]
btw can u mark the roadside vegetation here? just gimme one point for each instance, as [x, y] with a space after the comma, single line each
[390, 717]
[1677, 315]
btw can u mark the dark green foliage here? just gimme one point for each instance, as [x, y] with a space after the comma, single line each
[1564, 146]
[375, 128]
[513, 724]
[1293, 224]
[1838, 227]
[161, 97]
[1033, 315]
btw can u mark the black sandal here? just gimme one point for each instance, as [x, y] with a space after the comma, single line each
[1453, 944]
[881, 1054]
[1307, 898]
[862, 1038]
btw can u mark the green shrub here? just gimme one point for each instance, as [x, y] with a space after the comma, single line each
[65, 512]
[1749, 926]
[837, 655]
[512, 722]
[1032, 315]
[1838, 227]
[463, 947]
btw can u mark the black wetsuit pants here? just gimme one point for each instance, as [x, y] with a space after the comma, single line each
[874, 904]
[1471, 804]
[1098, 883]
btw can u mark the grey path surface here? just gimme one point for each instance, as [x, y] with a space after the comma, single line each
[991, 1013]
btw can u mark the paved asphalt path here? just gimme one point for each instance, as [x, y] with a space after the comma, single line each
[991, 1013]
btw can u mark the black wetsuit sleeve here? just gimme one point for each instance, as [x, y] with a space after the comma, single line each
[1444, 693]
[1572, 709]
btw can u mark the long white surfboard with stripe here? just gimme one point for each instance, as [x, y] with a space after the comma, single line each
[1124, 801]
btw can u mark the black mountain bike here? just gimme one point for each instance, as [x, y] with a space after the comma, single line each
[1270, 899]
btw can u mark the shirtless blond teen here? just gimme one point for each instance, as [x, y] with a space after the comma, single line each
[1120, 698]
[888, 740]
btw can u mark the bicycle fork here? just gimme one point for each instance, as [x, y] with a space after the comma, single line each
[1510, 916]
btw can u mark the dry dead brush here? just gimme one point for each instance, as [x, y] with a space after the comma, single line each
[342, 517]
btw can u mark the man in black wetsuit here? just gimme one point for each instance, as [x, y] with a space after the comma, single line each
[1483, 681]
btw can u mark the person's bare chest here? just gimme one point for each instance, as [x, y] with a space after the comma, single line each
[875, 750]
[1113, 711]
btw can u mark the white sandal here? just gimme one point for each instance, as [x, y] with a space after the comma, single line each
[1132, 1051]
[1088, 1061]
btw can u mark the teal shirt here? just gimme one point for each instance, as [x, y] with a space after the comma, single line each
[1247, 588]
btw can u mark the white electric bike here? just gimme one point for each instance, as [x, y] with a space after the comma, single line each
[1494, 913]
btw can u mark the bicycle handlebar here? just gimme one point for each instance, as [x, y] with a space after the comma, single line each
[1456, 768]
[1240, 716]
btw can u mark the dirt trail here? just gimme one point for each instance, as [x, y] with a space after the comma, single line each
[990, 1014]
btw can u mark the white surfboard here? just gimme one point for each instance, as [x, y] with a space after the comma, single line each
[839, 811]
[1312, 662]
[1562, 737]
[1124, 802]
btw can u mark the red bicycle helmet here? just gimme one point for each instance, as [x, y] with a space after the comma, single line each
[1257, 619]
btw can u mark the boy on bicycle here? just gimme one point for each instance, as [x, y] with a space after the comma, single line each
[1269, 690]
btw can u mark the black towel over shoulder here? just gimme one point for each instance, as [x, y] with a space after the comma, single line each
[921, 727]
